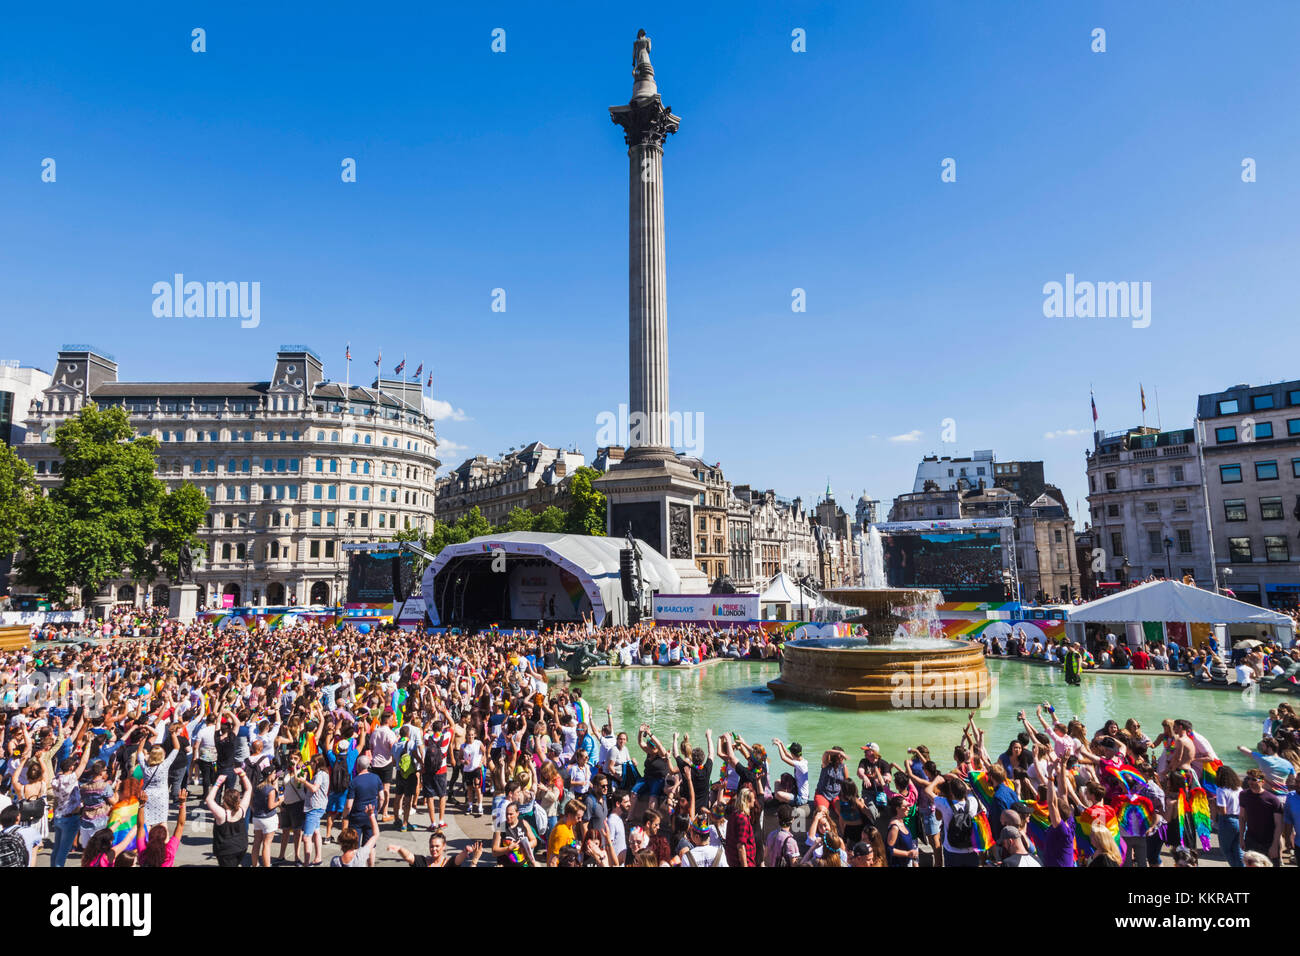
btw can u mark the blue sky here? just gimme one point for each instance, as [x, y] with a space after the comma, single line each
[816, 170]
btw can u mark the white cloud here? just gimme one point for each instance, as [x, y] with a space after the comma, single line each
[913, 435]
[448, 449]
[443, 411]
[1064, 433]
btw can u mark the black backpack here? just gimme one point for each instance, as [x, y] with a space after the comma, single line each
[340, 775]
[961, 828]
[13, 851]
[432, 756]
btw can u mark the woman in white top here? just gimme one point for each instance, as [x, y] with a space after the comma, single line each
[1227, 810]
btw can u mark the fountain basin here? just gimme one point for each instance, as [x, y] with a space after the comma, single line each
[886, 610]
[855, 673]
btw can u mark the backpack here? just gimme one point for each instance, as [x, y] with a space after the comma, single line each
[340, 775]
[783, 858]
[961, 828]
[432, 758]
[13, 851]
[406, 766]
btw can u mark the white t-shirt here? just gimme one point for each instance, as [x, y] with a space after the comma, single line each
[1229, 801]
[471, 755]
[1245, 675]
[801, 779]
[570, 745]
[606, 746]
[707, 855]
[945, 810]
[619, 757]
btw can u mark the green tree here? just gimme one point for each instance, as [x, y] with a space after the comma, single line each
[110, 515]
[472, 524]
[587, 511]
[552, 520]
[18, 495]
[519, 519]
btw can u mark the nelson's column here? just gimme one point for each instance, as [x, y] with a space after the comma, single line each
[650, 490]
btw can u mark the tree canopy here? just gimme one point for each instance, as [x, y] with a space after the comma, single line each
[110, 515]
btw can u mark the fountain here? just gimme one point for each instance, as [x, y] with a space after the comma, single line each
[901, 663]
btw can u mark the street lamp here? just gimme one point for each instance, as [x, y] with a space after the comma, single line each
[1169, 565]
[1124, 569]
[799, 571]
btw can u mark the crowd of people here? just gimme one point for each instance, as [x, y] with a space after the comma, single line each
[304, 745]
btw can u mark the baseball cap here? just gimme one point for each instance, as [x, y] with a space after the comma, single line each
[872, 746]
[1009, 833]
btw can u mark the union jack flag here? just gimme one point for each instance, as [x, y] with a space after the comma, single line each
[400, 365]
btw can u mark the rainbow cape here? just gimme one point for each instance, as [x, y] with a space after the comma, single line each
[399, 705]
[307, 748]
[1129, 777]
[1194, 817]
[982, 837]
[983, 786]
[1210, 776]
[122, 820]
[1137, 815]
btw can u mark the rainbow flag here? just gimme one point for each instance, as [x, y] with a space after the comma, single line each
[1085, 820]
[983, 786]
[982, 838]
[1040, 822]
[1137, 815]
[1210, 776]
[122, 820]
[583, 710]
[399, 705]
[307, 748]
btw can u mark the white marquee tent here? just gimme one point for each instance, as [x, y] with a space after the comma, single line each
[1167, 601]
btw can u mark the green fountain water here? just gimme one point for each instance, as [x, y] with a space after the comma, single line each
[722, 697]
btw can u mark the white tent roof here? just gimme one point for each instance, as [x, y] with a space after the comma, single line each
[1174, 601]
[592, 560]
[785, 590]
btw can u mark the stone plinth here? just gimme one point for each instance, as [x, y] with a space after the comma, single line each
[184, 602]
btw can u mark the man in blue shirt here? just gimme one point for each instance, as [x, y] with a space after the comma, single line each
[363, 794]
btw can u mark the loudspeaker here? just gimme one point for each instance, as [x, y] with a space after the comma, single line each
[627, 573]
[399, 586]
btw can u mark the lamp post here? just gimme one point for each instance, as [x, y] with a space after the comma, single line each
[1124, 570]
[798, 581]
[1169, 562]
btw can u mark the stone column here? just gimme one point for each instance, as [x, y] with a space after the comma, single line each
[646, 124]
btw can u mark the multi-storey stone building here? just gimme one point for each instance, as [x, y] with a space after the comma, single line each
[1147, 506]
[533, 478]
[293, 467]
[1251, 446]
[711, 543]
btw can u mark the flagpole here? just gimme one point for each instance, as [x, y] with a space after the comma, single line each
[1159, 427]
[1142, 395]
[347, 392]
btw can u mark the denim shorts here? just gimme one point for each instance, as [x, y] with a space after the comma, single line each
[336, 802]
[311, 821]
[930, 824]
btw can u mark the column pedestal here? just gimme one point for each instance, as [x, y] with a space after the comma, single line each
[184, 603]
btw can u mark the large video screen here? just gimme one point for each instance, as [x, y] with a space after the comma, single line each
[965, 567]
[370, 575]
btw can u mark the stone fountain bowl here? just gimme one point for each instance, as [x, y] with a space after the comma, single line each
[854, 673]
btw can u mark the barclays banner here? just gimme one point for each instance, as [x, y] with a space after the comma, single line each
[705, 608]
